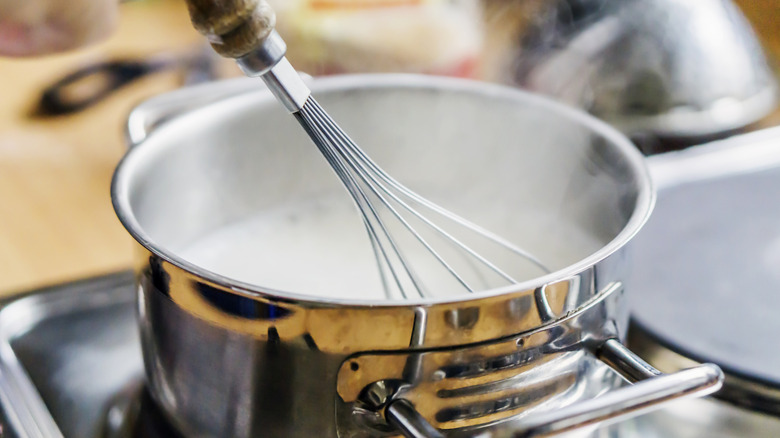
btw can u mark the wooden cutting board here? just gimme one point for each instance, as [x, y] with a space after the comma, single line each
[56, 220]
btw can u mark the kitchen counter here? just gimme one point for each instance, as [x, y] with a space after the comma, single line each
[764, 15]
[56, 220]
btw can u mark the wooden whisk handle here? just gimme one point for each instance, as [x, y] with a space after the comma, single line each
[234, 27]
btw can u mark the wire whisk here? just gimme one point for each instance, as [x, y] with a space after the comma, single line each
[374, 192]
[396, 218]
[407, 244]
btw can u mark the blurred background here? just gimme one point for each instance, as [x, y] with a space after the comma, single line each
[669, 73]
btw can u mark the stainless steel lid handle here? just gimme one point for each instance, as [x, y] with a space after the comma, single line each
[653, 390]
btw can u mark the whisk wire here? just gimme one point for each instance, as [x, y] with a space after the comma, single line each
[434, 227]
[344, 146]
[440, 210]
[364, 205]
[364, 165]
[364, 179]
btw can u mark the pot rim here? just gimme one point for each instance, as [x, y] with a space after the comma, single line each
[645, 199]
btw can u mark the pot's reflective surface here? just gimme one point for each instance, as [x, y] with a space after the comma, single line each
[222, 382]
[71, 366]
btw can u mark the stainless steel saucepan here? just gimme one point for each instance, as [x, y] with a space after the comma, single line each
[228, 357]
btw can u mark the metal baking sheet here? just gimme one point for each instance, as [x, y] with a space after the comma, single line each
[707, 265]
[65, 352]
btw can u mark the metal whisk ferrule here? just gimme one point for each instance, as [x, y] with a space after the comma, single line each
[269, 62]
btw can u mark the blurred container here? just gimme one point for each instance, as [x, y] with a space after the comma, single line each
[441, 37]
[656, 69]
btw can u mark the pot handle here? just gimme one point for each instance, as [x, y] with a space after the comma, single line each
[653, 390]
[152, 113]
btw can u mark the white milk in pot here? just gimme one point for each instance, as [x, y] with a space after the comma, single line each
[320, 247]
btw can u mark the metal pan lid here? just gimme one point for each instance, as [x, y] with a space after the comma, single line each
[707, 266]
